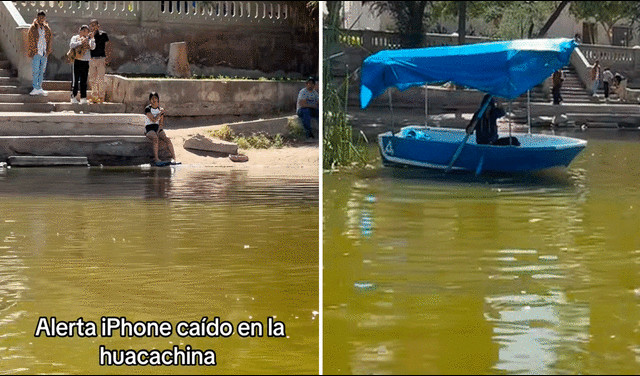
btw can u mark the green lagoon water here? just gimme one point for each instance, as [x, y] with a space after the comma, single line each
[499, 274]
[158, 245]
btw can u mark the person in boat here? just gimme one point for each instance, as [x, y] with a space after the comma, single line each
[154, 124]
[487, 125]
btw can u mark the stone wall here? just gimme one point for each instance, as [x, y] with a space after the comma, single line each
[182, 97]
[249, 40]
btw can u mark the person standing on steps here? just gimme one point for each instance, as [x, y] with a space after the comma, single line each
[596, 76]
[84, 43]
[607, 82]
[98, 62]
[39, 49]
[556, 79]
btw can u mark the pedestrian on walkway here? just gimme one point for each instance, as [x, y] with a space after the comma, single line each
[39, 49]
[85, 44]
[596, 76]
[557, 78]
[97, 65]
[607, 81]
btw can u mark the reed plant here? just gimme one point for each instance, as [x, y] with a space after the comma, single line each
[340, 148]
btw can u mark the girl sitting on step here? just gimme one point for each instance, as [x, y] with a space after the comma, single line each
[154, 123]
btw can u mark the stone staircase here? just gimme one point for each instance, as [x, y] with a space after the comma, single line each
[53, 126]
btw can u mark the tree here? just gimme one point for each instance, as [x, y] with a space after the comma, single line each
[606, 13]
[410, 16]
[552, 18]
[510, 19]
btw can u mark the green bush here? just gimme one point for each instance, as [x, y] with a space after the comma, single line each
[295, 130]
[225, 133]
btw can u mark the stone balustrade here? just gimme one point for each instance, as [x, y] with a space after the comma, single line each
[192, 12]
[374, 41]
[13, 35]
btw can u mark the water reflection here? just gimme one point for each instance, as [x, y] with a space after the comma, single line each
[176, 183]
[426, 273]
[542, 331]
[158, 244]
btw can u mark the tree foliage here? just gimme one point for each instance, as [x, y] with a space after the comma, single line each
[411, 19]
[606, 13]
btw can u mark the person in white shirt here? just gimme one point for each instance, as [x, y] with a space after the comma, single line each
[153, 129]
[307, 105]
[84, 43]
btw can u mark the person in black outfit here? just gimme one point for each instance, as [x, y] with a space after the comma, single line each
[487, 127]
[97, 65]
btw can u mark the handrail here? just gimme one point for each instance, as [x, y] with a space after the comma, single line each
[13, 34]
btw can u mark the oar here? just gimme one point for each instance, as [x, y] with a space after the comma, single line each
[473, 124]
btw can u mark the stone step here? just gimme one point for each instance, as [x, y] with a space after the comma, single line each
[10, 81]
[105, 150]
[548, 109]
[30, 124]
[27, 107]
[103, 108]
[53, 96]
[5, 64]
[10, 89]
[46, 161]
[61, 85]
[4, 72]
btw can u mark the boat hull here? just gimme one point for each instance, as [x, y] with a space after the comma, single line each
[435, 147]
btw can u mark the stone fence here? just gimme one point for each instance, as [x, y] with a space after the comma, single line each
[190, 97]
[263, 37]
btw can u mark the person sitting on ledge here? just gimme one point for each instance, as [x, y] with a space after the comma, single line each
[487, 127]
[154, 124]
[307, 105]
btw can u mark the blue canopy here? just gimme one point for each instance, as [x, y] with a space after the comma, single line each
[504, 69]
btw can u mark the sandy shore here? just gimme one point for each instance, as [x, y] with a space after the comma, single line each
[300, 159]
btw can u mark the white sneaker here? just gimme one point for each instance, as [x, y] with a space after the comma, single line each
[83, 101]
[34, 92]
[43, 93]
[74, 100]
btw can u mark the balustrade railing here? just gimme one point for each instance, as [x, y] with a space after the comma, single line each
[198, 12]
[621, 57]
[13, 34]
[374, 41]
[230, 11]
[123, 10]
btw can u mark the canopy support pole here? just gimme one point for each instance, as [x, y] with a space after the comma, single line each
[529, 112]
[393, 120]
[470, 130]
[510, 119]
[426, 105]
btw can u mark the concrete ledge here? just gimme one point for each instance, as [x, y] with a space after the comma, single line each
[106, 150]
[29, 124]
[189, 97]
[42, 161]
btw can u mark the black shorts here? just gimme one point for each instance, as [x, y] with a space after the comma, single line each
[152, 127]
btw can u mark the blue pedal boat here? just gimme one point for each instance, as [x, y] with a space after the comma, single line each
[501, 69]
